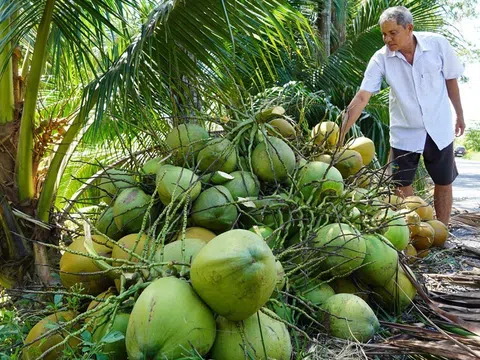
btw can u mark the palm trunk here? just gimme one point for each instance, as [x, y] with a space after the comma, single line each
[24, 161]
[340, 25]
[7, 117]
[7, 101]
[323, 23]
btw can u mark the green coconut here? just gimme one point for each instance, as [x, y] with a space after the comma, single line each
[381, 260]
[169, 321]
[398, 293]
[318, 179]
[113, 346]
[77, 269]
[150, 168]
[106, 225]
[173, 182]
[235, 274]
[395, 228]
[45, 325]
[186, 140]
[266, 233]
[130, 208]
[273, 160]
[348, 317]
[235, 339]
[244, 184]
[281, 277]
[112, 182]
[180, 251]
[214, 210]
[218, 155]
[346, 285]
[342, 246]
[317, 292]
[272, 212]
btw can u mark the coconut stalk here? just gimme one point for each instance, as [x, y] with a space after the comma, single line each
[24, 162]
[60, 159]
[323, 23]
[7, 101]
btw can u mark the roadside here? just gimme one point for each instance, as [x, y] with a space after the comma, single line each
[466, 188]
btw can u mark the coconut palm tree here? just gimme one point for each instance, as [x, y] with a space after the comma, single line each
[86, 55]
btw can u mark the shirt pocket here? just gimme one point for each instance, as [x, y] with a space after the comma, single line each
[432, 78]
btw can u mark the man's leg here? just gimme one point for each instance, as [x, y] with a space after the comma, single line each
[441, 166]
[443, 199]
[404, 165]
[404, 191]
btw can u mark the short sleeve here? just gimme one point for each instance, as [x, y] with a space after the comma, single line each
[452, 68]
[372, 79]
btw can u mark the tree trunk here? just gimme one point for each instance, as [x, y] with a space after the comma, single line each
[24, 164]
[7, 101]
[339, 22]
[323, 24]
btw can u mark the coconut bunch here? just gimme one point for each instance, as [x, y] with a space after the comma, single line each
[224, 244]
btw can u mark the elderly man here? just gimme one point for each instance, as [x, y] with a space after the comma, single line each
[421, 69]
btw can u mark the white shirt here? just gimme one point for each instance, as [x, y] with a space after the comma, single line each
[419, 102]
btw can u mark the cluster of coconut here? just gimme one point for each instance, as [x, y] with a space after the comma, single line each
[212, 283]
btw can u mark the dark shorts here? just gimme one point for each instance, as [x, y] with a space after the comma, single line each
[440, 164]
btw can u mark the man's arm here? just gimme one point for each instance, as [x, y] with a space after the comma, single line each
[354, 110]
[454, 95]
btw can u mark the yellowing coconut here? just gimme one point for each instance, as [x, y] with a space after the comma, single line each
[424, 238]
[129, 242]
[197, 233]
[235, 274]
[34, 350]
[76, 269]
[440, 232]
[348, 162]
[411, 253]
[364, 146]
[347, 316]
[412, 219]
[325, 158]
[420, 206]
[283, 127]
[326, 134]
[235, 338]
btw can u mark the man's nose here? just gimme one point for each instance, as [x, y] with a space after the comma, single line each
[387, 39]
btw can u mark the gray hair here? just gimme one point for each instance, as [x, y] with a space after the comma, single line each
[400, 14]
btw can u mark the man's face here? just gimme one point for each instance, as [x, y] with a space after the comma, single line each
[395, 36]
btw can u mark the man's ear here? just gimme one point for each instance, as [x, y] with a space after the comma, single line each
[410, 27]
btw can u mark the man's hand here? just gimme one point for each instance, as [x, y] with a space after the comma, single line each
[459, 126]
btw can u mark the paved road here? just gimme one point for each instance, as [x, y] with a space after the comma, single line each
[466, 188]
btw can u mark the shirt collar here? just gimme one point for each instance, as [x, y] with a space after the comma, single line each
[421, 45]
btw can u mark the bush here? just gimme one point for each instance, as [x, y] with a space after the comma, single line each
[472, 139]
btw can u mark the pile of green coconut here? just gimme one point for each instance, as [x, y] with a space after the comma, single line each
[224, 246]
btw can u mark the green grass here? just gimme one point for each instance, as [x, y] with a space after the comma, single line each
[472, 155]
